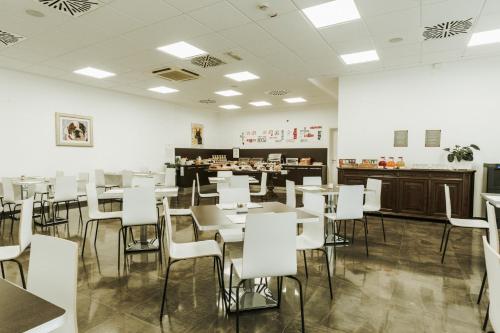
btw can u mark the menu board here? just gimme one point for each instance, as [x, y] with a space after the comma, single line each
[278, 135]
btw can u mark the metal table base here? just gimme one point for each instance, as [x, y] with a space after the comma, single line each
[253, 296]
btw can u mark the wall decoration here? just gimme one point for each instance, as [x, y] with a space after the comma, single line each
[401, 138]
[74, 130]
[197, 135]
[433, 138]
[279, 135]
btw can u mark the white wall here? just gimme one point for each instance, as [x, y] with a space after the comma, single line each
[462, 99]
[235, 122]
[129, 131]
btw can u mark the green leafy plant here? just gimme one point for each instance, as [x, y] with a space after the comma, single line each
[461, 153]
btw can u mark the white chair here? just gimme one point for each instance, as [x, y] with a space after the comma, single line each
[53, 275]
[492, 259]
[169, 180]
[139, 209]
[311, 181]
[263, 187]
[59, 173]
[187, 211]
[127, 177]
[11, 199]
[291, 198]
[83, 180]
[95, 215]
[204, 195]
[239, 182]
[100, 180]
[191, 250]
[269, 250]
[373, 203]
[313, 233]
[349, 207]
[456, 223]
[10, 253]
[224, 174]
[143, 182]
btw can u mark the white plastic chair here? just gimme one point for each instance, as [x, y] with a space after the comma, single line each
[313, 233]
[373, 202]
[191, 250]
[291, 199]
[269, 250]
[187, 211]
[263, 187]
[492, 259]
[311, 181]
[349, 207]
[95, 215]
[234, 195]
[11, 252]
[239, 182]
[204, 195]
[11, 199]
[456, 223]
[169, 180]
[53, 275]
[224, 174]
[143, 182]
[100, 180]
[127, 177]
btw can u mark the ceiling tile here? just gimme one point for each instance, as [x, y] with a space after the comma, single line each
[12, 63]
[352, 46]
[369, 8]
[439, 57]
[396, 62]
[111, 20]
[149, 11]
[254, 38]
[219, 16]
[487, 22]
[455, 43]
[346, 31]
[450, 10]
[189, 5]
[408, 19]
[400, 51]
[251, 10]
[491, 7]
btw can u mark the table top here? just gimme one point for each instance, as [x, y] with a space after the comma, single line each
[22, 311]
[329, 189]
[493, 198]
[223, 180]
[28, 180]
[209, 217]
[117, 192]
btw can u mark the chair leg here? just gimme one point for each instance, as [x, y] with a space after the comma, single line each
[486, 317]
[305, 263]
[80, 221]
[482, 287]
[238, 305]
[95, 235]
[223, 254]
[21, 272]
[301, 301]
[353, 228]
[442, 237]
[3, 270]
[195, 229]
[446, 244]
[366, 235]
[230, 287]
[163, 300]
[220, 277]
[279, 286]
[328, 271]
[85, 235]
[382, 221]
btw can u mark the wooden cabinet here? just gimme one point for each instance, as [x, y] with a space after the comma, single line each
[418, 193]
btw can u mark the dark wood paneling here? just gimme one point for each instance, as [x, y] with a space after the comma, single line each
[437, 204]
[413, 196]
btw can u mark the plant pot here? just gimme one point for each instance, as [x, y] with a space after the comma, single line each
[463, 165]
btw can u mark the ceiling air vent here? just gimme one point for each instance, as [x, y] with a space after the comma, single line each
[174, 74]
[72, 7]
[447, 29]
[9, 38]
[207, 61]
[277, 92]
[207, 101]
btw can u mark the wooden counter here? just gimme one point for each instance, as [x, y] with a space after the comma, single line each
[418, 192]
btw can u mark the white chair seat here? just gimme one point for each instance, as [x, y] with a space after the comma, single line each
[204, 248]
[9, 252]
[106, 215]
[306, 243]
[52, 200]
[209, 195]
[469, 223]
[180, 212]
[370, 208]
[257, 194]
[231, 235]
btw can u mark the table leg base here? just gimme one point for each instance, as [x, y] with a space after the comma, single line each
[339, 241]
[143, 246]
[257, 297]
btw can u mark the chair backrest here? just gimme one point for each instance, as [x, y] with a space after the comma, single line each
[83, 180]
[447, 201]
[315, 231]
[127, 176]
[311, 181]
[291, 199]
[239, 182]
[193, 193]
[374, 194]
[8, 189]
[139, 206]
[198, 183]
[493, 230]
[143, 182]
[25, 225]
[234, 195]
[225, 173]
[59, 173]
[92, 200]
[350, 202]
[53, 275]
[492, 259]
[169, 240]
[66, 188]
[99, 178]
[263, 183]
[269, 247]
[170, 174]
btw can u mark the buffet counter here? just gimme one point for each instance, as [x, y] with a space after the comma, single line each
[418, 192]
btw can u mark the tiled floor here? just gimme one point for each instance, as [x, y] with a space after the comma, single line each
[400, 287]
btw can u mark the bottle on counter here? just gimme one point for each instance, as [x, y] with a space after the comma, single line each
[401, 163]
[382, 163]
[391, 164]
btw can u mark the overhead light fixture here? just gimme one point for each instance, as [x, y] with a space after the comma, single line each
[242, 76]
[260, 103]
[94, 72]
[360, 57]
[230, 107]
[295, 100]
[181, 50]
[333, 12]
[485, 37]
[228, 93]
[163, 90]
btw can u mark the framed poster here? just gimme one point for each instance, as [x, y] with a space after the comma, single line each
[74, 130]
[401, 138]
[236, 152]
[197, 135]
[433, 138]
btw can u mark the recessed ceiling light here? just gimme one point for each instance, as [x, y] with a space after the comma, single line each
[260, 103]
[230, 107]
[228, 93]
[163, 90]
[181, 50]
[485, 37]
[333, 12]
[34, 13]
[242, 76]
[94, 72]
[360, 57]
[295, 100]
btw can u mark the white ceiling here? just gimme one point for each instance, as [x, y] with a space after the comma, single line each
[286, 51]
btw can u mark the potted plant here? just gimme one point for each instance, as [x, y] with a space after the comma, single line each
[461, 154]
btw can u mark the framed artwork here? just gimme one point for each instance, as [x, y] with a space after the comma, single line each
[433, 138]
[401, 138]
[74, 130]
[197, 135]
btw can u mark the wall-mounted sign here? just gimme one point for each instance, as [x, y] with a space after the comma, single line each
[433, 138]
[236, 152]
[401, 138]
[278, 135]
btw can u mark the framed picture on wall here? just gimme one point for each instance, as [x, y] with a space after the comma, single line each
[197, 135]
[74, 130]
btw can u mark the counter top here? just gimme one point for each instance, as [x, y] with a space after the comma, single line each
[410, 169]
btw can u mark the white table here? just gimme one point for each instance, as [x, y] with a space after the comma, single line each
[226, 180]
[492, 198]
